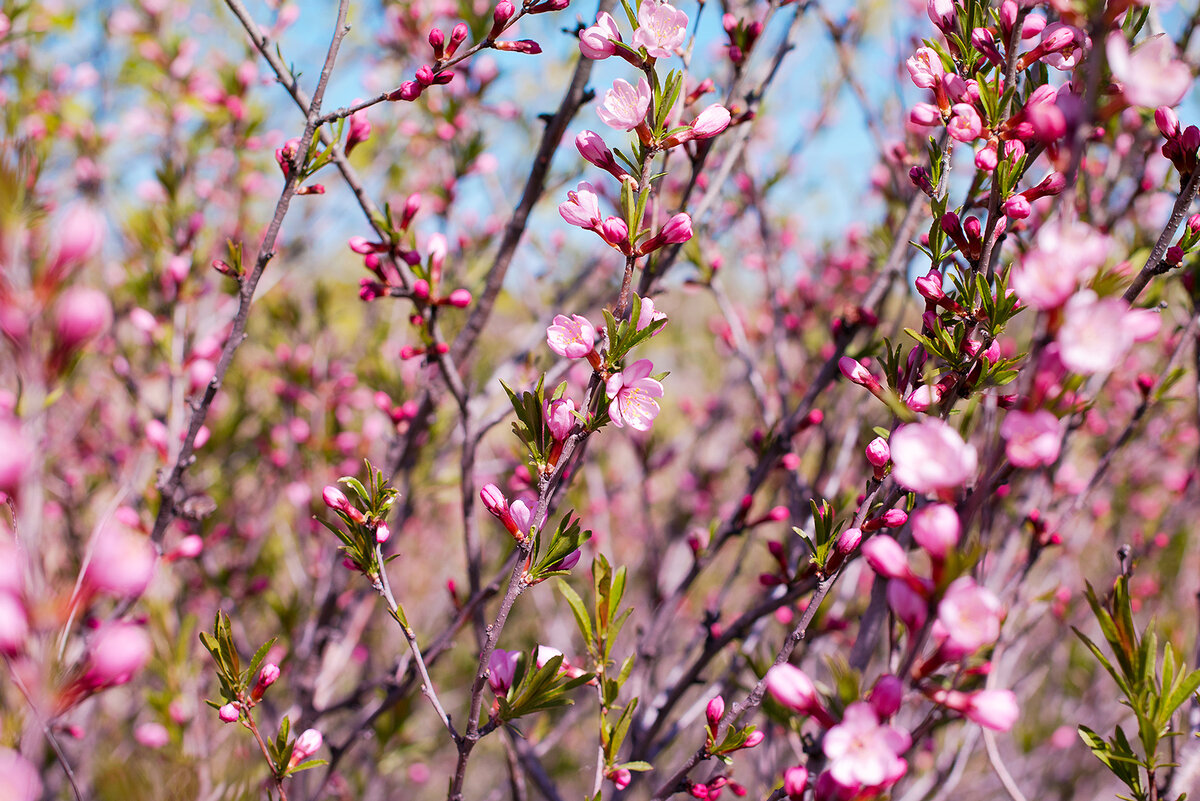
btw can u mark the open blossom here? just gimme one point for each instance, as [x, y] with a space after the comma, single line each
[649, 315]
[966, 124]
[968, 618]
[632, 393]
[1032, 439]
[925, 67]
[1066, 254]
[862, 752]
[930, 456]
[661, 29]
[1150, 75]
[572, 337]
[582, 207]
[624, 107]
[1096, 332]
[596, 41]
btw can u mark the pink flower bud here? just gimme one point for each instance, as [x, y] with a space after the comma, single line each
[79, 236]
[382, 533]
[847, 541]
[753, 739]
[502, 668]
[894, 518]
[1017, 207]
[1167, 121]
[993, 709]
[560, 418]
[493, 499]
[80, 315]
[460, 298]
[925, 115]
[615, 232]
[795, 781]
[228, 713]
[620, 778]
[886, 557]
[907, 605]
[936, 529]
[856, 373]
[335, 499]
[677, 230]
[886, 696]
[791, 686]
[715, 711]
[306, 745]
[122, 562]
[711, 121]
[878, 452]
[116, 653]
[268, 675]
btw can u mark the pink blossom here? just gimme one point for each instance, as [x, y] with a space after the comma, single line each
[152, 735]
[81, 314]
[969, 618]
[661, 29]
[1065, 255]
[1150, 75]
[571, 337]
[624, 107]
[966, 124]
[502, 668]
[649, 315]
[122, 561]
[791, 686]
[993, 709]
[1032, 438]
[886, 557]
[229, 713]
[925, 114]
[863, 752]
[930, 456]
[521, 515]
[942, 13]
[116, 653]
[16, 452]
[21, 780]
[306, 745]
[582, 207]
[79, 237]
[1096, 333]
[907, 604]
[596, 41]
[632, 393]
[795, 780]
[1060, 44]
[886, 696]
[878, 452]
[936, 529]
[925, 67]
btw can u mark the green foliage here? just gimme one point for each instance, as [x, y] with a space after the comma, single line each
[235, 682]
[530, 425]
[537, 689]
[624, 336]
[1153, 694]
[374, 502]
[567, 538]
[825, 533]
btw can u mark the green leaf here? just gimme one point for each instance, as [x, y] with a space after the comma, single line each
[578, 609]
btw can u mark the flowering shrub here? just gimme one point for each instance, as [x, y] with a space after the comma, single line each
[789, 501]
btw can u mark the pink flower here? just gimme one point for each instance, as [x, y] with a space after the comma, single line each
[942, 13]
[965, 125]
[335, 499]
[1096, 333]
[1060, 45]
[1150, 75]
[993, 709]
[1066, 254]
[571, 337]
[632, 393]
[624, 107]
[791, 686]
[936, 529]
[560, 418]
[122, 562]
[582, 207]
[878, 452]
[711, 121]
[520, 515]
[81, 314]
[596, 41]
[228, 713]
[1032, 438]
[886, 557]
[306, 745]
[649, 315]
[969, 616]
[21, 781]
[795, 780]
[925, 114]
[925, 67]
[502, 667]
[16, 452]
[864, 753]
[886, 696]
[152, 735]
[115, 653]
[79, 237]
[907, 604]
[661, 29]
[930, 456]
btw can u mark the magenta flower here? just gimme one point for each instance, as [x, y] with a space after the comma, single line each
[116, 653]
[661, 29]
[648, 315]
[502, 668]
[228, 713]
[886, 557]
[582, 207]
[122, 562]
[993, 709]
[1066, 254]
[596, 41]
[81, 314]
[791, 686]
[1150, 75]
[968, 618]
[930, 456]
[521, 515]
[571, 337]
[560, 418]
[306, 745]
[1032, 439]
[862, 752]
[624, 107]
[632, 393]
[711, 121]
